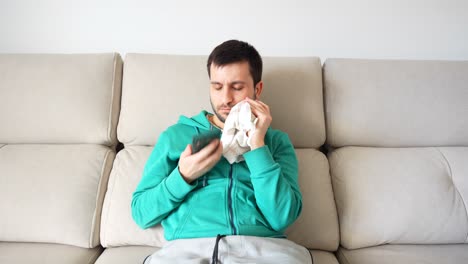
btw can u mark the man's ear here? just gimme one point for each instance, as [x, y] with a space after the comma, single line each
[258, 89]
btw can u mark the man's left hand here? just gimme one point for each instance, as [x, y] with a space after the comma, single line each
[262, 112]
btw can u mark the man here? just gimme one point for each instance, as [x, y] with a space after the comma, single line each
[199, 196]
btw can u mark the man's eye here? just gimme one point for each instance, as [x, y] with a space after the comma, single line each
[238, 88]
[217, 87]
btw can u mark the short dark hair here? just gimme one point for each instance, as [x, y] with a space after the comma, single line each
[232, 51]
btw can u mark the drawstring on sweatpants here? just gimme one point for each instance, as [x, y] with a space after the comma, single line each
[214, 258]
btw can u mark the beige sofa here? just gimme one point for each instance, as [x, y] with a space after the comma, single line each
[58, 119]
[75, 135]
[398, 134]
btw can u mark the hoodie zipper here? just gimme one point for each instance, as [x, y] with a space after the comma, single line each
[230, 210]
[231, 215]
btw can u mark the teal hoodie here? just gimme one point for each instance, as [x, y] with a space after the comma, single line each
[256, 197]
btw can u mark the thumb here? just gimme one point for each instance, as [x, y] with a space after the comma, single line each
[187, 151]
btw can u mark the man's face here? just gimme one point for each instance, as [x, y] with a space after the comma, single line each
[230, 84]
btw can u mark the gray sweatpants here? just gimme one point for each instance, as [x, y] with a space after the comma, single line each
[231, 249]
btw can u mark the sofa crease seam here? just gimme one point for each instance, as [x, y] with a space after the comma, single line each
[454, 186]
[91, 239]
[109, 128]
[101, 231]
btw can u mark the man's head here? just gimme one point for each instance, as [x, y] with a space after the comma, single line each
[235, 71]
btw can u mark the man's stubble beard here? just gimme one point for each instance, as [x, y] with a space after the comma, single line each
[220, 117]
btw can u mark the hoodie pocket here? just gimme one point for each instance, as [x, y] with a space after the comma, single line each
[248, 213]
[207, 212]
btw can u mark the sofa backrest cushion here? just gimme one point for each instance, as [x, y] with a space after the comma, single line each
[390, 103]
[59, 98]
[157, 89]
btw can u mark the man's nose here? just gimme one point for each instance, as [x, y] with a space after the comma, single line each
[227, 96]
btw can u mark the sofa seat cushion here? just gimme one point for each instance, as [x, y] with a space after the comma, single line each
[401, 195]
[125, 255]
[117, 226]
[53, 193]
[43, 253]
[137, 254]
[406, 254]
[316, 228]
[323, 257]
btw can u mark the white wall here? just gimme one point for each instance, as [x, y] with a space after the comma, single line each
[418, 29]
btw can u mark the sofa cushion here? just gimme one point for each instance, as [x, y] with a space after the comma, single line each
[400, 195]
[117, 225]
[58, 98]
[53, 193]
[317, 227]
[406, 254]
[43, 253]
[136, 255]
[159, 88]
[125, 255]
[384, 103]
[323, 257]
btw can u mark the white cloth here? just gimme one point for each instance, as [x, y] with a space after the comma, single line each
[231, 249]
[234, 138]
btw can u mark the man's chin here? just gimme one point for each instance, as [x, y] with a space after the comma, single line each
[221, 117]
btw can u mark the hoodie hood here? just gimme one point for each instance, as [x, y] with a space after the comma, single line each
[199, 121]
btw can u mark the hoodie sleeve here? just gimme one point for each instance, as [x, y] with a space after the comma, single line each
[275, 180]
[161, 188]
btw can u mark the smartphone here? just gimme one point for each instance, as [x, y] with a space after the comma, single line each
[200, 141]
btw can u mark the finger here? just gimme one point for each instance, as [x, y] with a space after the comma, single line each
[187, 151]
[256, 102]
[208, 149]
[263, 104]
[251, 101]
[258, 105]
[257, 110]
[214, 157]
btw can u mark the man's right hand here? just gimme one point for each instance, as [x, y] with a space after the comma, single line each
[192, 166]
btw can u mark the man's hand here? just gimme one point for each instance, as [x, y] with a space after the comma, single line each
[192, 166]
[262, 112]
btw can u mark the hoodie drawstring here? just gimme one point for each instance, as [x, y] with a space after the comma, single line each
[214, 258]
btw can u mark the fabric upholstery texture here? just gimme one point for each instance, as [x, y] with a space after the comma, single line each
[53, 193]
[385, 103]
[117, 225]
[60, 98]
[400, 195]
[317, 226]
[406, 254]
[125, 255]
[27, 253]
